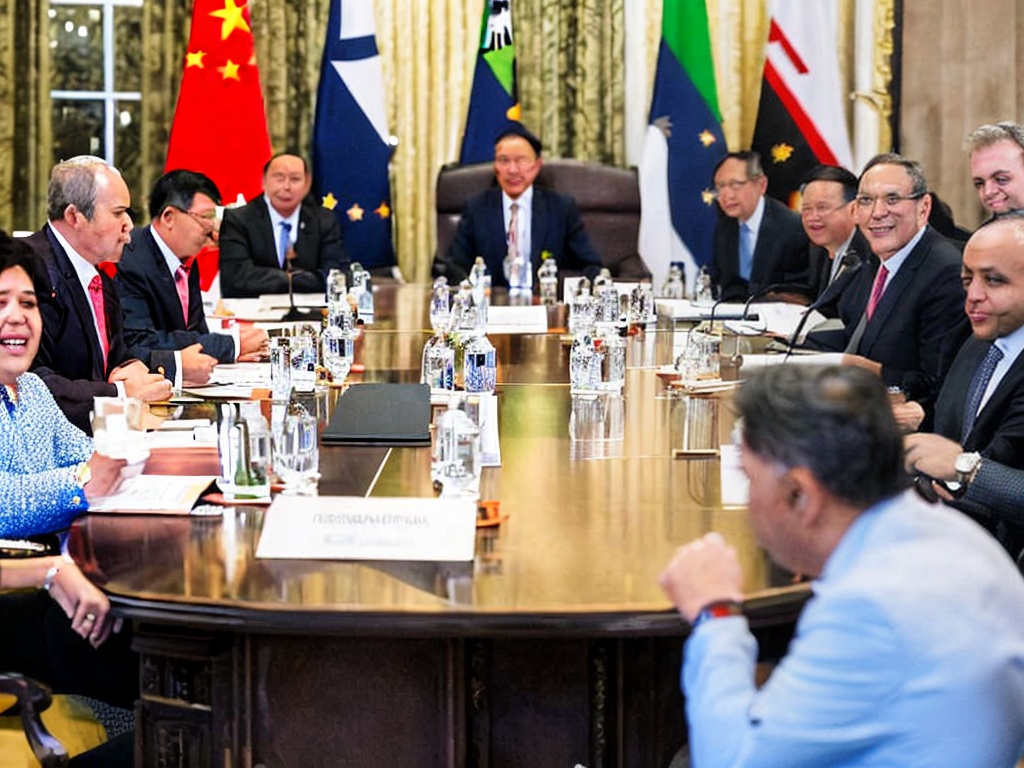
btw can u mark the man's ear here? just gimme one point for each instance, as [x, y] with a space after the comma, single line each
[807, 496]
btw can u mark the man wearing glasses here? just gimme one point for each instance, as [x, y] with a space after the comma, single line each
[759, 242]
[911, 321]
[158, 280]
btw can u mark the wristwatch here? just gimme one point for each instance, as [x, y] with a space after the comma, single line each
[716, 610]
[966, 467]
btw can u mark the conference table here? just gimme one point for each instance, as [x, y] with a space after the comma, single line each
[554, 646]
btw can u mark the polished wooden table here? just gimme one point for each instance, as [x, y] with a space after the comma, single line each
[554, 647]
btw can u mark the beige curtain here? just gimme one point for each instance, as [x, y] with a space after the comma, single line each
[25, 135]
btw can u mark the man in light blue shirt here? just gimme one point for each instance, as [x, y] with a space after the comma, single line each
[910, 651]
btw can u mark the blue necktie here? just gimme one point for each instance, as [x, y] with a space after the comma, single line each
[746, 252]
[286, 241]
[977, 389]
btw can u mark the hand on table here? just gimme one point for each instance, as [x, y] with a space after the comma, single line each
[701, 572]
[105, 476]
[253, 343]
[140, 383]
[196, 367]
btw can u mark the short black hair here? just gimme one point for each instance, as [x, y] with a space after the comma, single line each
[286, 153]
[750, 158]
[177, 189]
[520, 130]
[834, 420]
[834, 173]
[912, 167]
[14, 252]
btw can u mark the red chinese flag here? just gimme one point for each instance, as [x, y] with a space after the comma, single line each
[220, 126]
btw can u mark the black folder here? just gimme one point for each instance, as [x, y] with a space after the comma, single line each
[381, 414]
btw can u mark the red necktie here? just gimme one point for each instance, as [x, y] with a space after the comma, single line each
[98, 306]
[181, 283]
[876, 290]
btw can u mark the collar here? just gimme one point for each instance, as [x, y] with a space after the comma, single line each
[172, 261]
[85, 270]
[525, 200]
[848, 551]
[276, 219]
[754, 222]
[894, 262]
[1011, 345]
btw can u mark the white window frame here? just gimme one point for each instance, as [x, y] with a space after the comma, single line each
[108, 95]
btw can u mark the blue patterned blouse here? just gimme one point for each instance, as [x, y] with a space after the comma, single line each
[39, 451]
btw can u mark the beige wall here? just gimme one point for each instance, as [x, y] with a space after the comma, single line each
[963, 65]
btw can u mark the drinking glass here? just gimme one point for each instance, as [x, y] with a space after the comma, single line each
[281, 369]
[296, 451]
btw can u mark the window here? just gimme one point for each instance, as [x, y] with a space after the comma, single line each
[96, 81]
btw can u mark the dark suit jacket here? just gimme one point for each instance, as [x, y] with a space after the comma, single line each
[555, 226]
[248, 255]
[919, 323]
[821, 270]
[998, 431]
[70, 359]
[781, 254]
[152, 310]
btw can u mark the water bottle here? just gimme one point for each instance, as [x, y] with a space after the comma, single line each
[337, 341]
[675, 284]
[641, 304]
[584, 364]
[305, 345]
[547, 275]
[480, 280]
[440, 305]
[583, 312]
[463, 325]
[363, 291]
[607, 296]
[704, 294]
[336, 288]
[479, 360]
[260, 447]
[519, 275]
[456, 459]
[613, 361]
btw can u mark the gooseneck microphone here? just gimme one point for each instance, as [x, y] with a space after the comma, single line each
[294, 314]
[851, 264]
[764, 290]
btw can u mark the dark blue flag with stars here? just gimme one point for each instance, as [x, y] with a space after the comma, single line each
[351, 143]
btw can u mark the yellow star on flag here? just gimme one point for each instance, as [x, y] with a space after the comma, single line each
[194, 59]
[233, 19]
[707, 138]
[355, 213]
[229, 71]
[781, 153]
[383, 210]
[707, 196]
[329, 201]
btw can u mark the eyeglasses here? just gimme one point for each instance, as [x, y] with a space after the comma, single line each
[206, 220]
[821, 211]
[521, 162]
[890, 200]
[732, 186]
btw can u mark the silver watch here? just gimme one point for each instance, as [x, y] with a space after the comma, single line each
[966, 465]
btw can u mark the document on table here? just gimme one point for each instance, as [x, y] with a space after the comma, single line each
[157, 494]
[358, 528]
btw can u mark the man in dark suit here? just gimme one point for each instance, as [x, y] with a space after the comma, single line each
[158, 280]
[904, 322]
[759, 242]
[979, 415]
[827, 213]
[82, 353]
[280, 236]
[546, 221]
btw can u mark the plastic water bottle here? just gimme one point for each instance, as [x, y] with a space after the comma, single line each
[584, 364]
[607, 296]
[675, 284]
[456, 460]
[613, 361]
[480, 359]
[440, 305]
[547, 275]
[583, 312]
[337, 341]
[363, 291]
[480, 279]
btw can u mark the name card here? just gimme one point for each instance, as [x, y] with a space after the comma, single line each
[529, 319]
[357, 528]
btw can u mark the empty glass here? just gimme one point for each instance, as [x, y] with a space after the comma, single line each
[280, 369]
[296, 450]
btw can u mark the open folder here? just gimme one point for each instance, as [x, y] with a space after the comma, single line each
[381, 414]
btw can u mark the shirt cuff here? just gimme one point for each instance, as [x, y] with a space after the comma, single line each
[121, 392]
[177, 371]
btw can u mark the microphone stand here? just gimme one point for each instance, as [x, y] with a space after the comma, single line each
[852, 264]
[294, 314]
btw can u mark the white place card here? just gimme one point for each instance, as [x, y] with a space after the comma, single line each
[357, 528]
[735, 486]
[529, 319]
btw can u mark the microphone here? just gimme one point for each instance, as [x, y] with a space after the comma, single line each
[851, 264]
[760, 293]
[294, 314]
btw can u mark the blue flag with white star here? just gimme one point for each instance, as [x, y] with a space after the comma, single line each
[351, 142]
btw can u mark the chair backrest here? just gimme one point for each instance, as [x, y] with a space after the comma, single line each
[608, 199]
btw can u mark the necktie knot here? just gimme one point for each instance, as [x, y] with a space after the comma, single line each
[96, 285]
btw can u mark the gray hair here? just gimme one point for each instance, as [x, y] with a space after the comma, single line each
[833, 420]
[912, 167]
[73, 182]
[992, 133]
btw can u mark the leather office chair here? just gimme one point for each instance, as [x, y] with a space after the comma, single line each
[30, 699]
[608, 199]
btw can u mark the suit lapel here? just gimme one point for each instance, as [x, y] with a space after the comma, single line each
[995, 406]
[896, 288]
[539, 222]
[164, 280]
[78, 301]
[265, 230]
[765, 239]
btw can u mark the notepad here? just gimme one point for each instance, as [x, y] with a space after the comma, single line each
[381, 414]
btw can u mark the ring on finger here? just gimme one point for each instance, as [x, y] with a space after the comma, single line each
[90, 617]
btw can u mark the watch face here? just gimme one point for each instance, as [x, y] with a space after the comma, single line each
[966, 462]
